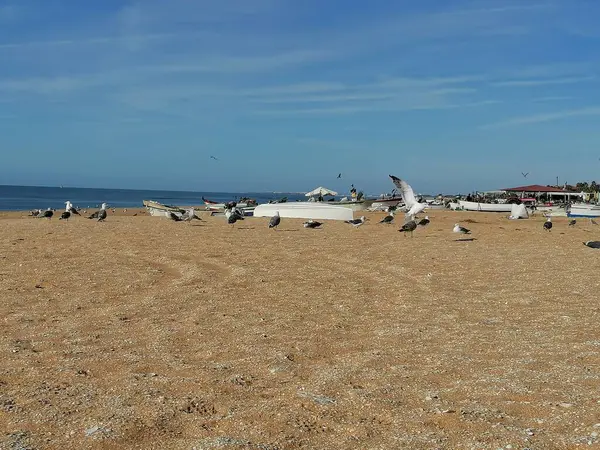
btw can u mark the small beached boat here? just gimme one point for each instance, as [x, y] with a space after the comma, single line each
[160, 210]
[583, 210]
[305, 210]
[216, 206]
[485, 207]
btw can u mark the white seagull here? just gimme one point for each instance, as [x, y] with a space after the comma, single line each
[412, 205]
[461, 230]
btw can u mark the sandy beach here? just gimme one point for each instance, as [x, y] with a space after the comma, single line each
[145, 333]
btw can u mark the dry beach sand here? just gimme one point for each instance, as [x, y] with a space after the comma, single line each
[144, 333]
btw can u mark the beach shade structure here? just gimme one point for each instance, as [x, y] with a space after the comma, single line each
[321, 192]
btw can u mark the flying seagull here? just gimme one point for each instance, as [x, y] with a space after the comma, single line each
[548, 224]
[572, 223]
[409, 227]
[408, 196]
[524, 174]
[357, 222]
[312, 224]
[100, 215]
[275, 221]
[424, 222]
[462, 230]
[592, 244]
[213, 157]
[340, 175]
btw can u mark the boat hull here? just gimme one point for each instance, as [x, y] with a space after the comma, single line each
[157, 209]
[485, 207]
[584, 211]
[304, 210]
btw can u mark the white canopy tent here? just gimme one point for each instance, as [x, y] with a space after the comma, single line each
[321, 191]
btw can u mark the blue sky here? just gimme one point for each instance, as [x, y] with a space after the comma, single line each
[453, 95]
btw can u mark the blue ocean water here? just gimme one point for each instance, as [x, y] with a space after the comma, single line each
[24, 198]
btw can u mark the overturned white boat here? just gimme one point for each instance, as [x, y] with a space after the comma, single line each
[305, 210]
[583, 210]
[486, 207]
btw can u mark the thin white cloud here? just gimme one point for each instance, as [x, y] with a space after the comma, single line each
[541, 118]
[543, 82]
[8, 13]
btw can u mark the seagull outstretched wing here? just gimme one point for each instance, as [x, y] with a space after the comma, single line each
[406, 191]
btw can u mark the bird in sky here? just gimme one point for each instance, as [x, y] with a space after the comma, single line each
[340, 175]
[213, 157]
[525, 174]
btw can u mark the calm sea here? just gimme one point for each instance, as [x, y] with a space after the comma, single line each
[24, 198]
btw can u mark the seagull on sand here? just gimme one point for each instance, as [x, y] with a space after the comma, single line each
[388, 219]
[357, 222]
[593, 222]
[101, 214]
[70, 208]
[190, 215]
[409, 227]
[548, 224]
[67, 212]
[46, 214]
[275, 221]
[35, 212]
[174, 217]
[592, 244]
[462, 230]
[233, 215]
[424, 222]
[312, 224]
[572, 223]
[412, 205]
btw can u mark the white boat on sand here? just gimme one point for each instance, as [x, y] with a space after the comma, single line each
[583, 210]
[159, 210]
[305, 210]
[485, 207]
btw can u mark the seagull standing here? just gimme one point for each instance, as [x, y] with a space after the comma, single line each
[70, 208]
[408, 196]
[409, 227]
[572, 223]
[462, 230]
[593, 222]
[357, 222]
[46, 214]
[548, 224]
[312, 224]
[424, 222]
[275, 221]
[101, 214]
[388, 219]
[67, 212]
